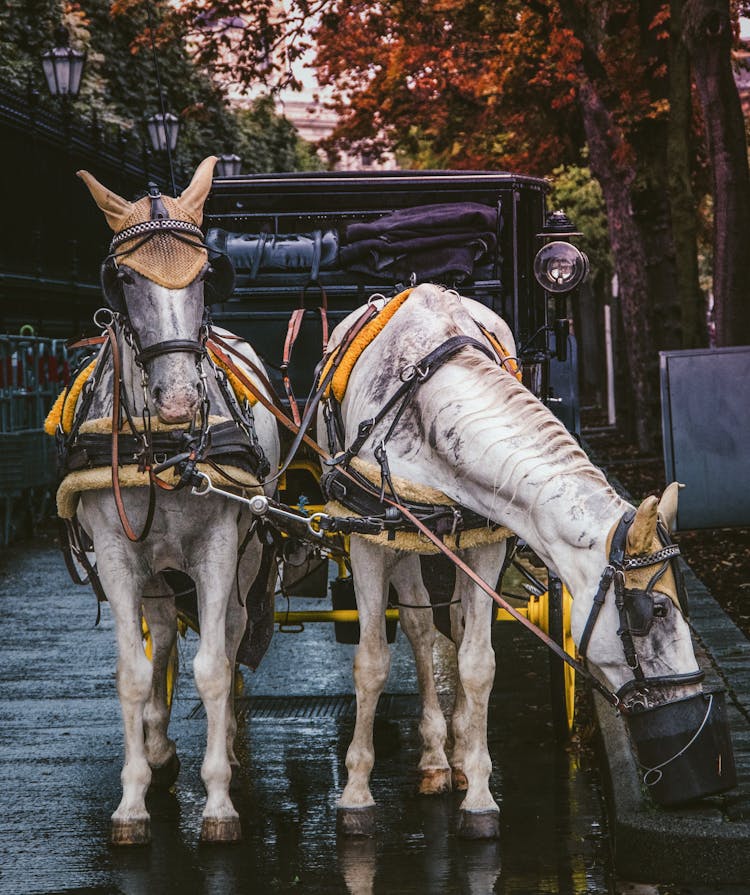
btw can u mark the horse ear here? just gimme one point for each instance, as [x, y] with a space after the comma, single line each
[668, 505]
[115, 208]
[194, 197]
[643, 530]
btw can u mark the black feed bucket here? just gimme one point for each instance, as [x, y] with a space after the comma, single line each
[684, 748]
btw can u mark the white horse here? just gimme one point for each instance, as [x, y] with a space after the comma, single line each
[475, 433]
[160, 330]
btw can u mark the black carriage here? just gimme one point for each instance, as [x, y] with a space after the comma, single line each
[292, 240]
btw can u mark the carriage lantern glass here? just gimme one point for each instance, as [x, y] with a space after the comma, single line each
[229, 165]
[162, 131]
[63, 66]
[560, 266]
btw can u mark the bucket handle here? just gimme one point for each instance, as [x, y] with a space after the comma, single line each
[657, 770]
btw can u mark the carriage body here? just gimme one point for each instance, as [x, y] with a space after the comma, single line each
[244, 213]
[291, 212]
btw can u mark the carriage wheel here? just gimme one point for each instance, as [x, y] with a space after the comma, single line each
[562, 676]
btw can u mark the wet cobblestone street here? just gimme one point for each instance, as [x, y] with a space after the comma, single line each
[61, 746]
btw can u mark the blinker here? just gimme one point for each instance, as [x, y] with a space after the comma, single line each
[640, 607]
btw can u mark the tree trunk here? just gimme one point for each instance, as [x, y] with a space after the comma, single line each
[604, 140]
[708, 36]
[682, 200]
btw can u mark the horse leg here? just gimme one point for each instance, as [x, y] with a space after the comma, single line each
[123, 585]
[458, 717]
[479, 813]
[161, 617]
[434, 770]
[235, 630]
[371, 566]
[215, 582]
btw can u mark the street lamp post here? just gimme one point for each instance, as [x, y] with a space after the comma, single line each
[63, 67]
[162, 131]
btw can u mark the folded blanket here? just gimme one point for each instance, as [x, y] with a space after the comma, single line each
[428, 241]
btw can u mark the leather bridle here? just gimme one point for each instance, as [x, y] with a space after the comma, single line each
[636, 607]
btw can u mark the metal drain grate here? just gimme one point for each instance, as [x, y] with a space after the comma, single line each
[296, 708]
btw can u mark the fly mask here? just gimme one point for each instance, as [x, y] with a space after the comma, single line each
[158, 280]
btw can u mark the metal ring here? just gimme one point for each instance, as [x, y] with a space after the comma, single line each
[374, 297]
[98, 322]
[408, 373]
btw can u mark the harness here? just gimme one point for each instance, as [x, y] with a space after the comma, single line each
[618, 562]
[346, 485]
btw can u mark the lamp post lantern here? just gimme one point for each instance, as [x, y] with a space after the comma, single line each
[229, 165]
[63, 66]
[162, 131]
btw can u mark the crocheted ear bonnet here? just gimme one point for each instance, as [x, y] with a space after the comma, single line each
[170, 259]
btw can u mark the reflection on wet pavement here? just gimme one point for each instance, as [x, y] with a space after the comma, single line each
[61, 746]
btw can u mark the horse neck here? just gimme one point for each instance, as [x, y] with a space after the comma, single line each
[497, 450]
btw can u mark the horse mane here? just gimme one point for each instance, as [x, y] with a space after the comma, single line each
[504, 398]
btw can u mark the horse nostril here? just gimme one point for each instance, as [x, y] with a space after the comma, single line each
[157, 393]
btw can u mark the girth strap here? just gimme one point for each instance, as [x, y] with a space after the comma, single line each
[355, 492]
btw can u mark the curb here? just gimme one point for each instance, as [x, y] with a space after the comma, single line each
[708, 842]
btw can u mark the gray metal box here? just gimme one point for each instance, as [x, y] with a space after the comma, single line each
[705, 400]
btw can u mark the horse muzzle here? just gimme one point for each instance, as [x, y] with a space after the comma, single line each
[176, 404]
[684, 747]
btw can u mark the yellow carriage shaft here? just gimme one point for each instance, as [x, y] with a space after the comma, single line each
[537, 612]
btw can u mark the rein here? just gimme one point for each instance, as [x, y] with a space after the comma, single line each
[611, 697]
[619, 562]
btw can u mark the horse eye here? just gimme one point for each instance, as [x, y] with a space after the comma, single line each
[125, 278]
[661, 608]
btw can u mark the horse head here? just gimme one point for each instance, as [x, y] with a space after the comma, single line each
[644, 646]
[158, 279]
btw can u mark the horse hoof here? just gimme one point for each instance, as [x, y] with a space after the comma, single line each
[434, 781]
[356, 821]
[221, 829]
[478, 824]
[165, 775]
[460, 783]
[131, 832]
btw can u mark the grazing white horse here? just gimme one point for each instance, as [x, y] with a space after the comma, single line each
[475, 433]
[165, 373]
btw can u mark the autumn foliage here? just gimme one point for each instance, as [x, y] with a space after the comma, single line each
[451, 83]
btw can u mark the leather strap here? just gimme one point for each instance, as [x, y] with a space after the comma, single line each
[292, 332]
[117, 494]
[85, 343]
[215, 340]
[169, 346]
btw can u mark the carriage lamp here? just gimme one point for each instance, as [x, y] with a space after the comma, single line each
[63, 66]
[560, 266]
[229, 165]
[162, 131]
